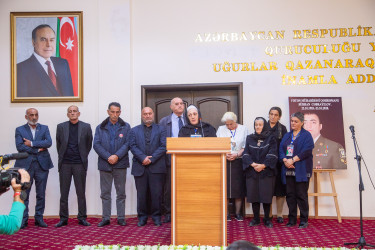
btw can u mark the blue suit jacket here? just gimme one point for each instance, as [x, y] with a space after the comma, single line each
[303, 146]
[42, 140]
[166, 122]
[33, 81]
[138, 148]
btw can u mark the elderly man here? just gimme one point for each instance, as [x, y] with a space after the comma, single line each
[173, 123]
[73, 141]
[147, 143]
[112, 145]
[43, 75]
[326, 153]
[35, 139]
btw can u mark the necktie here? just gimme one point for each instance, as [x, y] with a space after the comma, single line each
[180, 124]
[52, 75]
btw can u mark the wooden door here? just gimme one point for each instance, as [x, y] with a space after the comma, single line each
[213, 100]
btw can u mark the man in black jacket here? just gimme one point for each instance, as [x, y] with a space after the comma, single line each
[74, 142]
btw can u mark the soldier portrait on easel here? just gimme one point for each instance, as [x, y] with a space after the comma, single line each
[327, 154]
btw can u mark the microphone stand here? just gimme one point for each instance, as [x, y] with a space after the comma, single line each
[361, 242]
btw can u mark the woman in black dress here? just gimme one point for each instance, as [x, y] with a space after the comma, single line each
[278, 130]
[195, 127]
[259, 163]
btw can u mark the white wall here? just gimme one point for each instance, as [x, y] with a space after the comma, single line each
[165, 53]
[131, 43]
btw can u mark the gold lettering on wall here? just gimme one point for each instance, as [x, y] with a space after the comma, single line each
[309, 50]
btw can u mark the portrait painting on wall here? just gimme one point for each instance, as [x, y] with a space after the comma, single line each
[324, 120]
[46, 57]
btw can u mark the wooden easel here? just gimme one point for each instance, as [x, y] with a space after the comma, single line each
[317, 191]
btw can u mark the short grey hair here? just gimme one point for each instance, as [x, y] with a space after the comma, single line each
[229, 116]
[27, 110]
[299, 115]
[72, 106]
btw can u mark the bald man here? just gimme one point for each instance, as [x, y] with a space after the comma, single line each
[73, 142]
[35, 139]
[148, 145]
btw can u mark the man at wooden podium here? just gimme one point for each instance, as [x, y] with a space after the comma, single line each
[148, 143]
[172, 123]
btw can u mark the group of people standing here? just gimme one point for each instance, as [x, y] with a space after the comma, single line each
[270, 162]
[263, 164]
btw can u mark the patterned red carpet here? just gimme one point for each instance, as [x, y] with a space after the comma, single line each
[320, 233]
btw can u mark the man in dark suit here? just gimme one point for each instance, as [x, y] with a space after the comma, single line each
[43, 75]
[35, 139]
[73, 141]
[111, 143]
[147, 143]
[173, 123]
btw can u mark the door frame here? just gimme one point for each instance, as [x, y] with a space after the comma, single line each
[238, 86]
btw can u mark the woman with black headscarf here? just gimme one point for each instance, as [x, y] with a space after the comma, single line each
[259, 163]
[195, 127]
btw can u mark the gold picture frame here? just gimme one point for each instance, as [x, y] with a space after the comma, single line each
[38, 37]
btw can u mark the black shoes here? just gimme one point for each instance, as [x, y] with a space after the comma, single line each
[280, 220]
[290, 224]
[268, 223]
[239, 217]
[167, 218]
[40, 223]
[24, 225]
[229, 218]
[254, 222]
[121, 222]
[303, 224]
[104, 223]
[141, 223]
[157, 223]
[83, 222]
[61, 223]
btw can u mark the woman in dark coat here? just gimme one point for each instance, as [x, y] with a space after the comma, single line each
[296, 154]
[259, 163]
[278, 130]
[195, 127]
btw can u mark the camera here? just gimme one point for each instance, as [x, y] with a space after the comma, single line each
[6, 175]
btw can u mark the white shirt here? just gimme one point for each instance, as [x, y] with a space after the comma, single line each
[43, 61]
[239, 138]
[316, 138]
[33, 130]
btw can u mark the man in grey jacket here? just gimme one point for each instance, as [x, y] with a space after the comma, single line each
[172, 124]
[112, 145]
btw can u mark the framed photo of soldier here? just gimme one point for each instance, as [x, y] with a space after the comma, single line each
[46, 57]
[323, 119]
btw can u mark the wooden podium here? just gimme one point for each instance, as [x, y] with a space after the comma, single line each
[198, 173]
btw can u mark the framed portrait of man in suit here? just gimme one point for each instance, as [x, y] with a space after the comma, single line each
[46, 57]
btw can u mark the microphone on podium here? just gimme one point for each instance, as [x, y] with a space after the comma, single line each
[200, 121]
